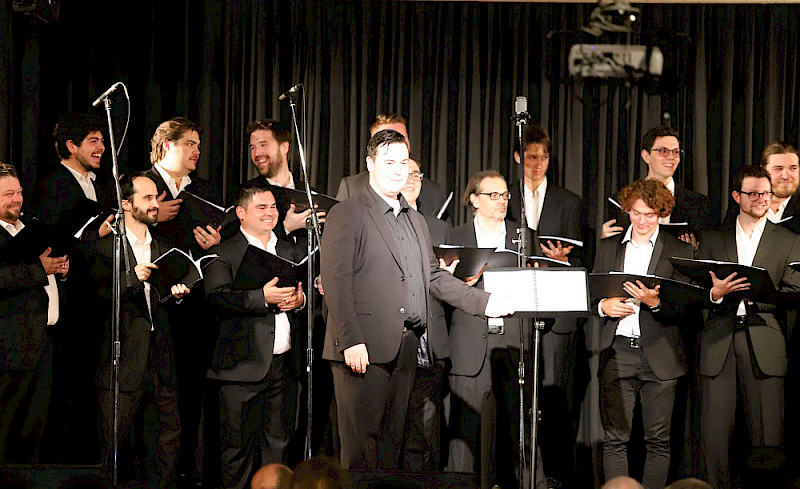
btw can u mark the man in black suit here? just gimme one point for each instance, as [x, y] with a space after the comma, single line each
[432, 197]
[28, 303]
[743, 348]
[782, 162]
[147, 377]
[552, 211]
[254, 360]
[380, 276]
[661, 151]
[483, 377]
[642, 351]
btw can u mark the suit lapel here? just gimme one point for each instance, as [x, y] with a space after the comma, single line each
[656, 256]
[383, 228]
[619, 259]
[764, 248]
[730, 245]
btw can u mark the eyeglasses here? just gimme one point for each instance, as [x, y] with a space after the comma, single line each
[415, 175]
[665, 152]
[497, 195]
[756, 196]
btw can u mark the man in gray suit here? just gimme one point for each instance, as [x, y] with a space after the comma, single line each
[743, 348]
[380, 276]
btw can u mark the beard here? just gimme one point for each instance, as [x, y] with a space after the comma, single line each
[785, 192]
[143, 216]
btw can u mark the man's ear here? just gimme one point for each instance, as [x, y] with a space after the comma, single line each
[646, 156]
[516, 156]
[370, 163]
[240, 212]
[71, 147]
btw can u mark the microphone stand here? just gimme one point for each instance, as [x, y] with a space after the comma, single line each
[313, 233]
[120, 250]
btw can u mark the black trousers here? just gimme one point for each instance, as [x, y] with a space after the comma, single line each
[624, 377]
[371, 408]
[422, 450]
[761, 398]
[257, 422]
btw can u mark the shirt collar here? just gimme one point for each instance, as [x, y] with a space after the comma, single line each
[629, 237]
[90, 176]
[273, 240]
[148, 238]
[168, 178]
[479, 232]
[12, 229]
[396, 206]
[671, 185]
[758, 230]
[276, 184]
[540, 190]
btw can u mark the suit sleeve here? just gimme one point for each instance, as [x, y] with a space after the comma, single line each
[226, 301]
[337, 263]
[20, 277]
[343, 192]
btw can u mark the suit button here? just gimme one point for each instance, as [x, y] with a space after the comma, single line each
[484, 335]
[402, 310]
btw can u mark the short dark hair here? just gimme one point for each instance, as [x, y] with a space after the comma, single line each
[249, 189]
[747, 172]
[653, 193]
[535, 135]
[126, 183]
[7, 170]
[387, 118]
[651, 135]
[281, 133]
[474, 184]
[382, 138]
[776, 148]
[170, 130]
[320, 472]
[74, 127]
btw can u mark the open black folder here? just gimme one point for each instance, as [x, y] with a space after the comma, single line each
[603, 285]
[761, 287]
[300, 199]
[31, 242]
[259, 267]
[203, 212]
[474, 259]
[177, 267]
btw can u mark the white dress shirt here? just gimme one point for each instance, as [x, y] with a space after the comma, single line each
[671, 187]
[533, 204]
[290, 185]
[51, 288]
[746, 247]
[486, 240]
[141, 252]
[172, 185]
[86, 183]
[283, 337]
[775, 217]
[637, 261]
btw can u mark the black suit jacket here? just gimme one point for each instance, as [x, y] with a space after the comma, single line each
[135, 319]
[561, 212]
[468, 338]
[430, 201]
[180, 229]
[661, 337]
[23, 312]
[791, 214]
[58, 196]
[364, 287]
[244, 344]
[778, 247]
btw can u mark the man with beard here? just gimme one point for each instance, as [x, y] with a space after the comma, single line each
[781, 161]
[147, 379]
[28, 303]
[742, 347]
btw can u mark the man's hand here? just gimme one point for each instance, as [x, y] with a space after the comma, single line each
[276, 295]
[609, 229]
[318, 285]
[207, 237]
[356, 358]
[167, 209]
[295, 301]
[639, 291]
[616, 307]
[498, 305]
[143, 270]
[295, 220]
[556, 252]
[179, 290]
[53, 265]
[730, 284]
[452, 269]
[689, 238]
[105, 228]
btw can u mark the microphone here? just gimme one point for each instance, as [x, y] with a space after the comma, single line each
[521, 109]
[291, 91]
[106, 94]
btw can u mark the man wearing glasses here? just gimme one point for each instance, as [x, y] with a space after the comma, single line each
[661, 151]
[743, 349]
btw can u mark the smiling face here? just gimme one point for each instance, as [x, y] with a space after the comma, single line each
[143, 204]
[662, 167]
[260, 215]
[758, 208]
[537, 160]
[784, 172]
[89, 152]
[10, 199]
[267, 154]
[413, 186]
[388, 171]
[644, 221]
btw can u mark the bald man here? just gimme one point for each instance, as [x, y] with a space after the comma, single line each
[272, 476]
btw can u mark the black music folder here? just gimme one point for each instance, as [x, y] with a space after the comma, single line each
[203, 212]
[761, 287]
[31, 242]
[472, 259]
[564, 241]
[604, 285]
[177, 267]
[259, 267]
[300, 199]
[87, 217]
